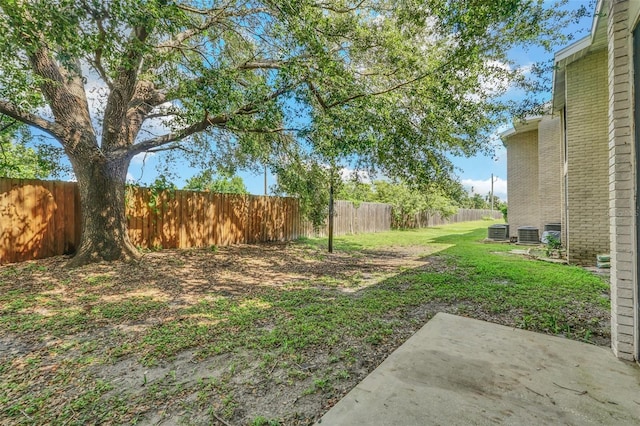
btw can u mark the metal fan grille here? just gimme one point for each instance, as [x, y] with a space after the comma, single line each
[528, 235]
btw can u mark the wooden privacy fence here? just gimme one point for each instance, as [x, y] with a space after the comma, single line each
[37, 219]
[42, 218]
[350, 218]
[426, 219]
[183, 219]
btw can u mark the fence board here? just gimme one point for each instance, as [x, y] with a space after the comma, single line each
[42, 218]
[69, 218]
[48, 219]
[58, 219]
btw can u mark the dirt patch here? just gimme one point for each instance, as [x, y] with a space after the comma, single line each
[236, 388]
[114, 307]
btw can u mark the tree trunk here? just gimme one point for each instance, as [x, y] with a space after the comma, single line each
[104, 236]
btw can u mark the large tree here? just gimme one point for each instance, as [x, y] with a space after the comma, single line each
[394, 84]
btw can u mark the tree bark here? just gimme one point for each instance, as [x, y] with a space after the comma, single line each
[104, 237]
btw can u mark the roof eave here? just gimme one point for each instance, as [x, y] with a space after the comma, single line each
[527, 124]
[573, 52]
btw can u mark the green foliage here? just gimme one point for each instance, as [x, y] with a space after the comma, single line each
[206, 181]
[310, 182]
[397, 83]
[396, 86]
[497, 202]
[553, 244]
[263, 421]
[161, 185]
[356, 192]
[477, 201]
[157, 188]
[19, 161]
[406, 200]
[504, 211]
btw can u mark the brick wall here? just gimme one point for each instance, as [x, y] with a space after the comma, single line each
[550, 165]
[522, 180]
[563, 182]
[587, 154]
[622, 219]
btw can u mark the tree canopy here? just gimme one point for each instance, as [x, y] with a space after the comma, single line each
[406, 201]
[207, 181]
[18, 160]
[390, 85]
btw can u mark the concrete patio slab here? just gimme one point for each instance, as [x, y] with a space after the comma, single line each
[461, 371]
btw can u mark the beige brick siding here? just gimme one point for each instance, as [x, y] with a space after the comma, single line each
[622, 218]
[522, 180]
[549, 170]
[563, 183]
[587, 158]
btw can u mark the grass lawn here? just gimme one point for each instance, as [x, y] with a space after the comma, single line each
[259, 335]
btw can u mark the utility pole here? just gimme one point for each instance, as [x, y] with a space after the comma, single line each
[265, 180]
[491, 192]
[331, 210]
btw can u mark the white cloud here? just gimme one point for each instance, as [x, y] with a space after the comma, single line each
[526, 69]
[496, 81]
[348, 174]
[483, 187]
[142, 158]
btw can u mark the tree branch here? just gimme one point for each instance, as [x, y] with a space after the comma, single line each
[124, 89]
[262, 64]
[97, 59]
[209, 121]
[171, 148]
[264, 130]
[316, 94]
[394, 87]
[334, 9]
[154, 143]
[214, 16]
[5, 127]
[180, 38]
[12, 111]
[63, 89]
[161, 115]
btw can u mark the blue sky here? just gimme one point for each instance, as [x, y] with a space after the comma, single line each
[476, 171]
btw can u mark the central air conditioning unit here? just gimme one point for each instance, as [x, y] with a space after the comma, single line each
[557, 227]
[498, 232]
[551, 230]
[528, 235]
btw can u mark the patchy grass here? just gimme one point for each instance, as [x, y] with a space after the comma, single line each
[259, 335]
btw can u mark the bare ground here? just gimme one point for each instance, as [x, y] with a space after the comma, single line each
[233, 388]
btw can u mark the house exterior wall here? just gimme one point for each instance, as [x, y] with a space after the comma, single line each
[522, 181]
[563, 182]
[549, 171]
[587, 153]
[622, 183]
